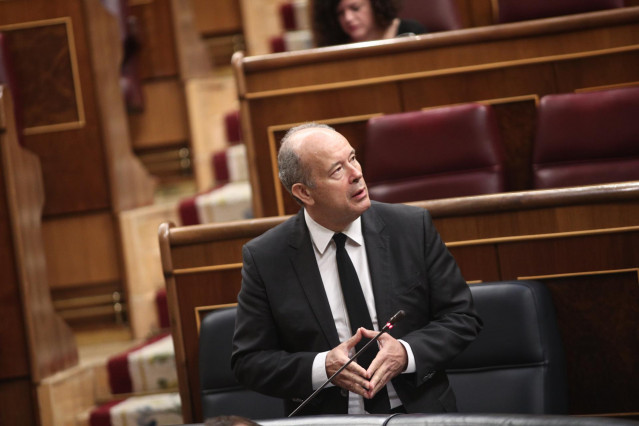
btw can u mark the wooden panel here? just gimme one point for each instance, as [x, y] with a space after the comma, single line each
[164, 120]
[217, 17]
[535, 218]
[516, 121]
[81, 250]
[614, 68]
[53, 66]
[17, 404]
[477, 263]
[158, 57]
[225, 252]
[49, 99]
[572, 253]
[597, 316]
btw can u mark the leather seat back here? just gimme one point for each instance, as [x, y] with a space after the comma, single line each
[437, 153]
[516, 364]
[221, 393]
[587, 138]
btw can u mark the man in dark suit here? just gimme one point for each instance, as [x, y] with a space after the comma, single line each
[293, 327]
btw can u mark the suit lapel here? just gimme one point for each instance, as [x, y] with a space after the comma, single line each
[379, 263]
[303, 260]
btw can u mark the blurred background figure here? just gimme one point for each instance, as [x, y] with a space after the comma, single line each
[348, 21]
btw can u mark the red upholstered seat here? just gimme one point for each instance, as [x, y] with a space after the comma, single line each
[519, 10]
[437, 153]
[435, 15]
[232, 128]
[287, 16]
[587, 138]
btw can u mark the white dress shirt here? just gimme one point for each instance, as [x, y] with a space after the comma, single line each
[325, 251]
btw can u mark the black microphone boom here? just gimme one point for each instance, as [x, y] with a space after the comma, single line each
[391, 322]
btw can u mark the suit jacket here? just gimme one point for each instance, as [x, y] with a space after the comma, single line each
[284, 318]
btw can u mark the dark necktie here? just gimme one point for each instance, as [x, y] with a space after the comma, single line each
[358, 316]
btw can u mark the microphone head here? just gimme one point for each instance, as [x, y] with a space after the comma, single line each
[397, 317]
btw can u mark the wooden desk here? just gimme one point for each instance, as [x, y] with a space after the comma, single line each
[510, 66]
[583, 242]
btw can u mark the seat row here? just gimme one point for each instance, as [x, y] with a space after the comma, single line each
[580, 139]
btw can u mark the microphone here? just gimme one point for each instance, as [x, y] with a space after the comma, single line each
[391, 322]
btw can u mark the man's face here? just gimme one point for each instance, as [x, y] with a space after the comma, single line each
[339, 194]
[357, 19]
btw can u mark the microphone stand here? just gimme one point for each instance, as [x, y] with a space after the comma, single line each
[399, 315]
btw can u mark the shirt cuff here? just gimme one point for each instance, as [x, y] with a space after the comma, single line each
[410, 367]
[319, 371]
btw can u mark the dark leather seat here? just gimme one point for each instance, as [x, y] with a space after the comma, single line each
[516, 364]
[437, 153]
[518, 10]
[221, 393]
[587, 138]
[435, 15]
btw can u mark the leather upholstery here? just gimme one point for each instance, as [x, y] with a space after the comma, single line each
[437, 153]
[221, 393]
[516, 364]
[587, 138]
[435, 15]
[518, 10]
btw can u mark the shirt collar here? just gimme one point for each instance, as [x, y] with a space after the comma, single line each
[322, 236]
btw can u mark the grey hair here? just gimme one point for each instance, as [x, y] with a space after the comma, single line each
[291, 168]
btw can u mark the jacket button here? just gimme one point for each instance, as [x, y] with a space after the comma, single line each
[344, 393]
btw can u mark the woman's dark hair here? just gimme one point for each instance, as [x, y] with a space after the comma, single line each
[327, 30]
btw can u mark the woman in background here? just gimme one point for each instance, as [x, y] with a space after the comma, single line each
[348, 21]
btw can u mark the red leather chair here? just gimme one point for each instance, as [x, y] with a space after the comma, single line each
[435, 15]
[520, 10]
[587, 138]
[438, 153]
